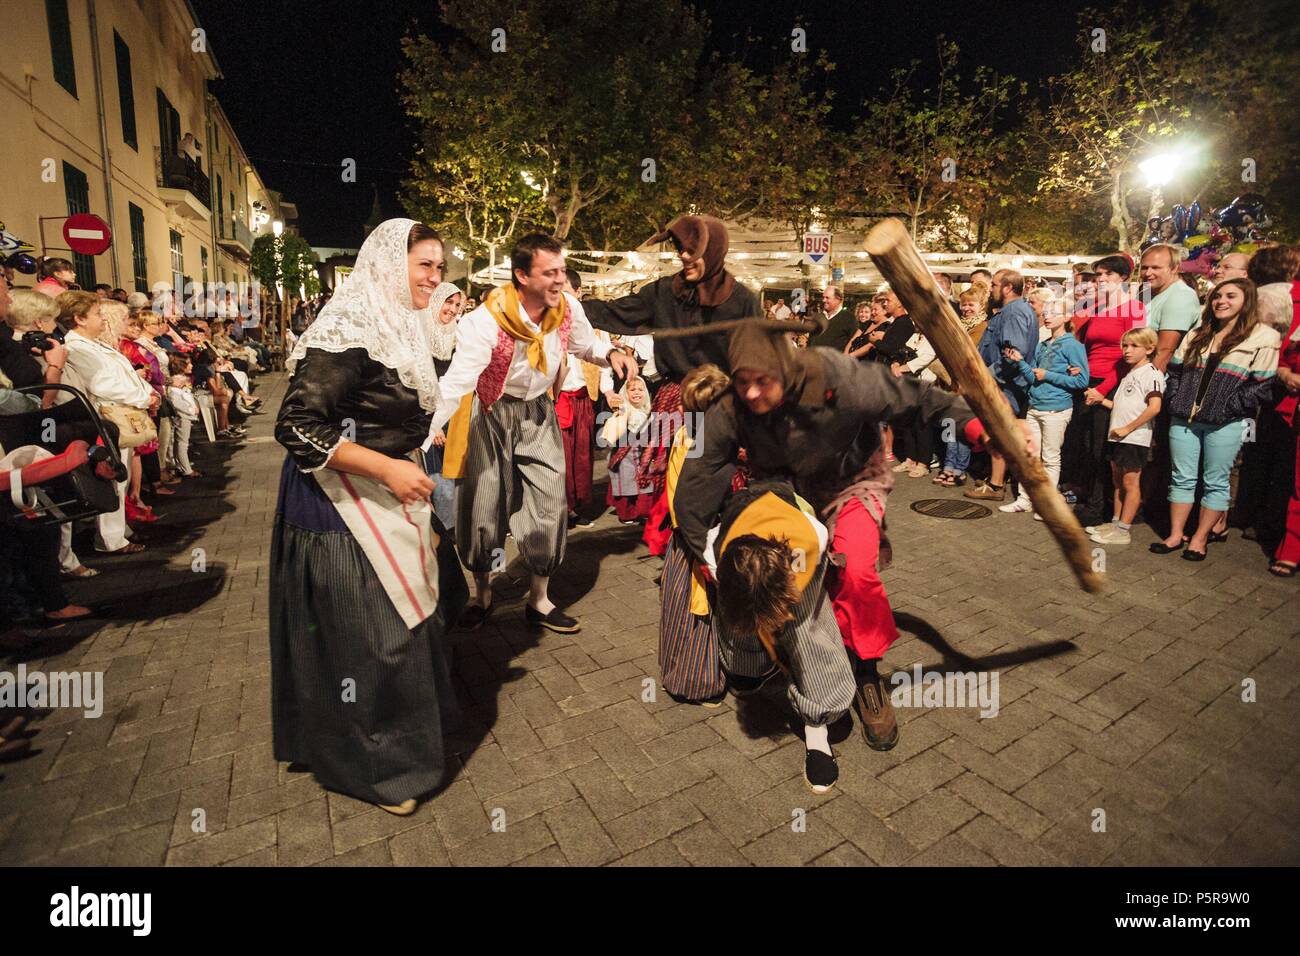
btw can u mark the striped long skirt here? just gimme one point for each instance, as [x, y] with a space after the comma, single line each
[355, 694]
[689, 665]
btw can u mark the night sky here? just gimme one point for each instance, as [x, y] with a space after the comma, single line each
[309, 83]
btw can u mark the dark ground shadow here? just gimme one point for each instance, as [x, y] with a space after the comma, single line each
[767, 712]
[138, 587]
[483, 661]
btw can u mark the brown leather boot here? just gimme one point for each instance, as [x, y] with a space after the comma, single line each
[876, 713]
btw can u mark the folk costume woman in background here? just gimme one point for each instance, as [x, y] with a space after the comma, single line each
[360, 684]
[444, 311]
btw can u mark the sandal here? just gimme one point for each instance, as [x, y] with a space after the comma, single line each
[81, 571]
[133, 548]
[1282, 569]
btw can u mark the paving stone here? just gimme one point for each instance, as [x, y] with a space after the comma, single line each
[582, 841]
[418, 846]
[216, 848]
[515, 843]
[653, 822]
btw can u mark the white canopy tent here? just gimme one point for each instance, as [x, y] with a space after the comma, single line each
[767, 256]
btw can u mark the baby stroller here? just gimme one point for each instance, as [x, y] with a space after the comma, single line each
[44, 487]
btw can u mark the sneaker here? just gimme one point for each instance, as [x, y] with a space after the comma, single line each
[553, 620]
[819, 771]
[985, 492]
[1037, 516]
[1097, 528]
[902, 466]
[876, 713]
[918, 471]
[1016, 507]
[1112, 535]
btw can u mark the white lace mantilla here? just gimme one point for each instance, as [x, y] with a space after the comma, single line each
[373, 311]
[442, 336]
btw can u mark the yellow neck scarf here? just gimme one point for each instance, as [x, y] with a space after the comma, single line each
[504, 305]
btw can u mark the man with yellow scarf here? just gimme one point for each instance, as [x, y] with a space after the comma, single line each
[508, 353]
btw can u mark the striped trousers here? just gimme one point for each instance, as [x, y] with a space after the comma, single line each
[514, 480]
[821, 679]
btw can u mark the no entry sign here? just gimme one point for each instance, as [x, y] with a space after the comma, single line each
[87, 234]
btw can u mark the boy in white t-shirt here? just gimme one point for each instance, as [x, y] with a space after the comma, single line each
[1132, 412]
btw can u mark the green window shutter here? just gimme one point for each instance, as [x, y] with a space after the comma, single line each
[77, 189]
[125, 91]
[139, 263]
[60, 24]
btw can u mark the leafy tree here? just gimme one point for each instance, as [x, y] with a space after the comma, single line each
[579, 125]
[939, 156]
[1124, 101]
[295, 265]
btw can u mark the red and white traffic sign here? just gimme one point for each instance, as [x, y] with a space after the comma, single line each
[87, 234]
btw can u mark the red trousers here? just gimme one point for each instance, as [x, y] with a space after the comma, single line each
[655, 536]
[858, 596]
[576, 416]
[1289, 549]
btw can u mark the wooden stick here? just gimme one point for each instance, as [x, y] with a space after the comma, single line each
[730, 325]
[898, 260]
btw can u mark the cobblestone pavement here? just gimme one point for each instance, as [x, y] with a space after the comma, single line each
[1129, 703]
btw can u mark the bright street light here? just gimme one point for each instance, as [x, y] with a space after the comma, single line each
[1161, 168]
[277, 227]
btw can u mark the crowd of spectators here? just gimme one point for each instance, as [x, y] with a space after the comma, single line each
[1154, 397]
[169, 385]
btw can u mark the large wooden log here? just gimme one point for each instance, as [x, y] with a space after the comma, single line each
[897, 258]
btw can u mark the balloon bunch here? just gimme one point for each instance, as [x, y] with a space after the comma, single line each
[1236, 227]
[16, 253]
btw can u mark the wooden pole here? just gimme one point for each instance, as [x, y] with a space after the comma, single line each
[897, 258]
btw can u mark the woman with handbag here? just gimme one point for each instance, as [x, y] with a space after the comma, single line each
[120, 395]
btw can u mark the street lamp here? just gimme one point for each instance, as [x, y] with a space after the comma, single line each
[1161, 168]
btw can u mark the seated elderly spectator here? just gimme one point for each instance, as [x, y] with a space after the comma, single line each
[107, 378]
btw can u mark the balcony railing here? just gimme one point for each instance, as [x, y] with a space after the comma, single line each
[181, 172]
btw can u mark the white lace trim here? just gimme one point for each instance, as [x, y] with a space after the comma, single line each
[373, 311]
[327, 452]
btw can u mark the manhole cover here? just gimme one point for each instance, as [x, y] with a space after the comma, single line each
[948, 508]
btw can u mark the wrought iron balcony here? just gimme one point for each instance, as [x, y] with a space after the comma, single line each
[181, 172]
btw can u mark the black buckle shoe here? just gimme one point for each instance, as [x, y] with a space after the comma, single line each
[472, 618]
[820, 771]
[744, 686]
[555, 620]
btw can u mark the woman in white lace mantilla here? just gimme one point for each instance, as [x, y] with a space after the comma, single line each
[360, 683]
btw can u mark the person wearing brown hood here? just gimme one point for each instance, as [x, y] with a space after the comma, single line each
[813, 417]
[702, 293]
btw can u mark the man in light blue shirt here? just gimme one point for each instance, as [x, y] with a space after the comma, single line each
[1172, 306]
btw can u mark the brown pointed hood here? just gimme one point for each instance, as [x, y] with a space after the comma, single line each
[756, 345]
[705, 237]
